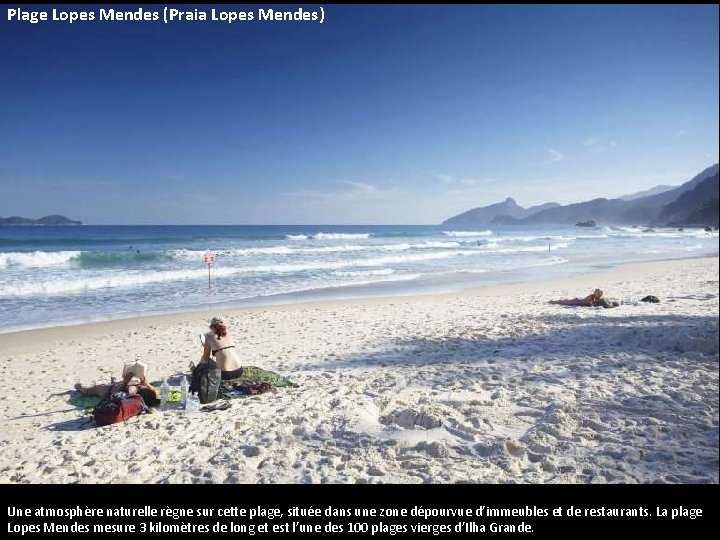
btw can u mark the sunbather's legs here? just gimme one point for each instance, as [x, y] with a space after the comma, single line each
[99, 390]
[570, 302]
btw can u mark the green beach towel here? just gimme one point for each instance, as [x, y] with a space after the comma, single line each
[253, 375]
[250, 375]
[88, 403]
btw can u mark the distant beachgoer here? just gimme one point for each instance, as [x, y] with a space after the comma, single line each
[591, 300]
[134, 381]
[220, 344]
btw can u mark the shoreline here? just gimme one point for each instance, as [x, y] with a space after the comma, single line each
[493, 385]
[6, 337]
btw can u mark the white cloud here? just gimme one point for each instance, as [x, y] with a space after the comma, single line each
[681, 133]
[468, 182]
[555, 155]
[359, 191]
[361, 187]
[598, 143]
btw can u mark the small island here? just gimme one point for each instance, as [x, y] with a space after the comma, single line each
[53, 220]
[588, 223]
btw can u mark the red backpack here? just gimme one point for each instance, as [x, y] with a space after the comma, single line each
[118, 409]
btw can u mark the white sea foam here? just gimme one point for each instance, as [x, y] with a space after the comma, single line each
[341, 236]
[550, 261]
[197, 255]
[526, 249]
[328, 236]
[544, 238]
[37, 258]
[374, 272]
[436, 245]
[348, 263]
[318, 285]
[629, 232]
[395, 277]
[355, 247]
[64, 285]
[80, 283]
[467, 233]
[545, 261]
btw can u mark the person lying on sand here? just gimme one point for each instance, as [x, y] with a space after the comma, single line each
[592, 300]
[134, 381]
[219, 343]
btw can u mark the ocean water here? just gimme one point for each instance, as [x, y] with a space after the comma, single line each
[61, 275]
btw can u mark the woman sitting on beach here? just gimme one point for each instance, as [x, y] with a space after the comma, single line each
[591, 300]
[220, 344]
[134, 381]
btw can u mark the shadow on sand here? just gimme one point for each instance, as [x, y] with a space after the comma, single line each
[643, 388]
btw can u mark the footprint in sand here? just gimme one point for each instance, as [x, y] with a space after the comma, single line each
[411, 418]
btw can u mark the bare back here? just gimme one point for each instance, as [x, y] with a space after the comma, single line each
[224, 351]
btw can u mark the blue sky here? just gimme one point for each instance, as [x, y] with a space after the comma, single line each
[382, 114]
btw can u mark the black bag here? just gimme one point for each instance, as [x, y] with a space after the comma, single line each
[205, 381]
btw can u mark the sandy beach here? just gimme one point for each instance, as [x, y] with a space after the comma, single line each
[488, 385]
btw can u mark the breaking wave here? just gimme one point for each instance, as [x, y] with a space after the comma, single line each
[467, 233]
[37, 258]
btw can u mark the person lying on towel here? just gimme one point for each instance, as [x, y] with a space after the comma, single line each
[592, 300]
[134, 381]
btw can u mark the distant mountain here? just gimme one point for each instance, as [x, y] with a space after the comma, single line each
[706, 213]
[652, 191]
[642, 210]
[485, 214]
[599, 210]
[47, 220]
[505, 219]
[647, 209]
[496, 213]
[694, 207]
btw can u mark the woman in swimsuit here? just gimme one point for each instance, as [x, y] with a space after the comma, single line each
[220, 344]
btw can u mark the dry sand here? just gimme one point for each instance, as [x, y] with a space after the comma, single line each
[491, 385]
